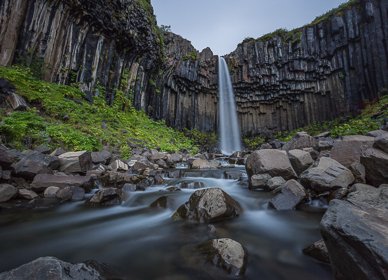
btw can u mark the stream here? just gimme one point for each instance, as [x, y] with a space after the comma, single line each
[145, 243]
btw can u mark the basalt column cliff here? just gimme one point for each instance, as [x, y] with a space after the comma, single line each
[107, 44]
[283, 80]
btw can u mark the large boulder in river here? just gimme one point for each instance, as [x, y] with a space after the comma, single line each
[272, 162]
[7, 192]
[51, 268]
[208, 206]
[376, 166]
[75, 162]
[43, 181]
[329, 175]
[318, 251]
[349, 149]
[106, 197]
[226, 254]
[355, 232]
[35, 163]
[292, 193]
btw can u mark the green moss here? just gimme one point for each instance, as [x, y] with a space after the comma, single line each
[66, 118]
[335, 12]
[190, 56]
[253, 143]
[206, 141]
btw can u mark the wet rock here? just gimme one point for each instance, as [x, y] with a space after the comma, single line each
[291, 194]
[106, 197]
[349, 149]
[129, 187]
[375, 162]
[381, 143]
[51, 268]
[273, 162]
[78, 194]
[161, 202]
[119, 166]
[275, 182]
[116, 179]
[35, 163]
[259, 181]
[204, 164]
[173, 189]
[27, 194]
[358, 171]
[208, 206]
[75, 162]
[300, 160]
[102, 157]
[355, 231]
[64, 194]
[318, 251]
[301, 140]
[51, 192]
[43, 181]
[7, 192]
[226, 254]
[327, 176]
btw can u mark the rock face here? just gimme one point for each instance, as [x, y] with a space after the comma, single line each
[112, 43]
[327, 176]
[375, 162]
[356, 234]
[51, 268]
[208, 206]
[226, 254]
[273, 162]
[282, 81]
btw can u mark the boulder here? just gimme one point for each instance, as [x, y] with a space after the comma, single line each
[301, 140]
[75, 162]
[355, 231]
[226, 254]
[161, 202]
[51, 268]
[327, 176]
[51, 192]
[275, 182]
[102, 157]
[325, 144]
[43, 181]
[78, 194]
[204, 164]
[64, 194]
[208, 206]
[376, 133]
[300, 160]
[106, 197]
[35, 163]
[8, 157]
[156, 155]
[349, 149]
[381, 143]
[119, 166]
[259, 181]
[7, 192]
[291, 194]
[318, 251]
[376, 166]
[27, 194]
[273, 162]
[16, 102]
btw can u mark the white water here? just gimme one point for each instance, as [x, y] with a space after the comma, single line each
[229, 129]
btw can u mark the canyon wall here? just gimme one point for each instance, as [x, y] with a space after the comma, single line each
[285, 80]
[96, 44]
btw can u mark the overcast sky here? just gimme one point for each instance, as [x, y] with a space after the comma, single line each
[222, 24]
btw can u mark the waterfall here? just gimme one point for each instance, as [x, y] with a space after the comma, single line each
[229, 129]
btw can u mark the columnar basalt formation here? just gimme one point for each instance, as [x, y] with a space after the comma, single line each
[97, 43]
[286, 80]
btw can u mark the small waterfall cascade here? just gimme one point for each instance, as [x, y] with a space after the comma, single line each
[229, 129]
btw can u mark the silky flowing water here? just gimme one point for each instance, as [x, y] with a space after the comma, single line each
[229, 128]
[145, 243]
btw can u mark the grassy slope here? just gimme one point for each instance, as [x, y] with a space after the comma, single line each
[59, 115]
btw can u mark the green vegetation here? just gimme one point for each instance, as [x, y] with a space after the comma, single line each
[190, 56]
[253, 143]
[293, 36]
[335, 12]
[371, 118]
[206, 141]
[61, 116]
